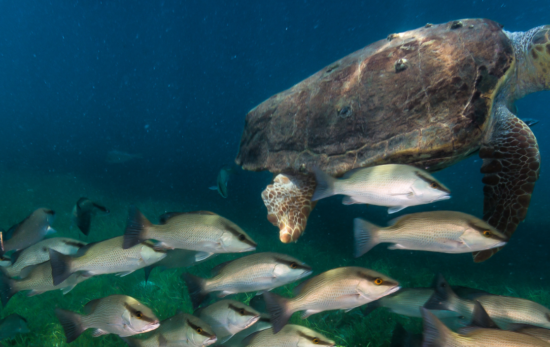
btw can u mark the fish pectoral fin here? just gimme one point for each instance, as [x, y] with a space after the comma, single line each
[200, 256]
[349, 200]
[213, 188]
[397, 246]
[99, 332]
[308, 313]
[50, 231]
[224, 293]
[126, 273]
[161, 246]
[35, 292]
[395, 209]
[65, 290]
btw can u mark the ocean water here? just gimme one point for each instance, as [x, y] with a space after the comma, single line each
[172, 81]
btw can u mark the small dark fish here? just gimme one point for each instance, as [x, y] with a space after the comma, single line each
[178, 258]
[83, 212]
[12, 325]
[530, 122]
[119, 157]
[30, 231]
[223, 178]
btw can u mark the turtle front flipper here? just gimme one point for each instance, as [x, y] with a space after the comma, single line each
[288, 202]
[511, 163]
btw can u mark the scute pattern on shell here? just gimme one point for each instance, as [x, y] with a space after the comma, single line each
[511, 163]
[288, 202]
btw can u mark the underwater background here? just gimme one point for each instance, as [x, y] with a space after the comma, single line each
[172, 81]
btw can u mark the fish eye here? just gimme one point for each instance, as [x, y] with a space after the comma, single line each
[487, 233]
[378, 281]
[293, 265]
[242, 237]
[315, 341]
[434, 185]
[241, 311]
[199, 330]
[139, 314]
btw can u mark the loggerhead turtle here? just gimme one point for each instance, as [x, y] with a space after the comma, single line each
[428, 97]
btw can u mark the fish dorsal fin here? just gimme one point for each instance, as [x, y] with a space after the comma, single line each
[11, 231]
[218, 268]
[16, 255]
[163, 219]
[80, 202]
[82, 250]
[469, 293]
[481, 319]
[91, 306]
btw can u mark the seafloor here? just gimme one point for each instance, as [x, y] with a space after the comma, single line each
[519, 270]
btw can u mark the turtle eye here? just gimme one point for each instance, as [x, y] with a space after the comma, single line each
[241, 311]
[487, 233]
[293, 265]
[139, 314]
[378, 281]
[199, 330]
[242, 237]
[315, 341]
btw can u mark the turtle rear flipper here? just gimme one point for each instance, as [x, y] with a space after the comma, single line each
[511, 163]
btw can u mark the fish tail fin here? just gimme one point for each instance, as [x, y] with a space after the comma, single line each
[61, 266]
[71, 323]
[443, 298]
[325, 185]
[195, 286]
[436, 334]
[366, 236]
[278, 308]
[136, 228]
[6, 289]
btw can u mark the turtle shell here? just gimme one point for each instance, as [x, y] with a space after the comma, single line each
[422, 97]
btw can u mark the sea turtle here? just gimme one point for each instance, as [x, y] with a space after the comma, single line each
[428, 97]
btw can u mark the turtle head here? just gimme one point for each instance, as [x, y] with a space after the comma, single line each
[533, 53]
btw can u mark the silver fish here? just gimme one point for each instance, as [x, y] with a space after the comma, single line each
[197, 231]
[39, 253]
[394, 185]
[223, 178]
[83, 212]
[12, 325]
[116, 314]
[104, 257]
[504, 310]
[228, 317]
[439, 231]
[483, 332]
[237, 340]
[255, 272]
[342, 288]
[119, 157]
[177, 258]
[290, 336]
[29, 231]
[182, 330]
[38, 280]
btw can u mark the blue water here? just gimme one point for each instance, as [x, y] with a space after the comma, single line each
[173, 81]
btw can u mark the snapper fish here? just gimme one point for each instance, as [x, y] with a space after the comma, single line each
[29, 231]
[121, 315]
[105, 257]
[342, 288]
[394, 185]
[83, 212]
[180, 330]
[228, 317]
[196, 231]
[223, 178]
[505, 311]
[481, 332]
[289, 336]
[439, 231]
[39, 253]
[255, 272]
